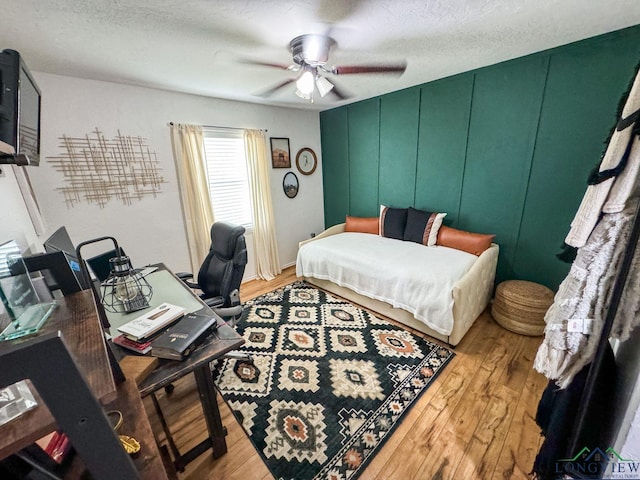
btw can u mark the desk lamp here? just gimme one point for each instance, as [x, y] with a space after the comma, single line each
[124, 290]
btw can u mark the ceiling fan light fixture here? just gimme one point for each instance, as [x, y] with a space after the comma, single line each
[310, 55]
[311, 49]
[304, 96]
[324, 85]
[306, 83]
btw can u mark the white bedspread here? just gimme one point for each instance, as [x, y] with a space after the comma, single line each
[406, 275]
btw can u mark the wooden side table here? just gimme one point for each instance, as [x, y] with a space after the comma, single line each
[520, 306]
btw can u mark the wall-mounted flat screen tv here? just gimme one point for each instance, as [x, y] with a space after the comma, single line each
[19, 109]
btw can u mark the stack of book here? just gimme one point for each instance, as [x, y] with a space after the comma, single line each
[142, 347]
[138, 334]
[56, 445]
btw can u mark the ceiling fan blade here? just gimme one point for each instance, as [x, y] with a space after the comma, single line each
[275, 88]
[351, 69]
[280, 66]
[338, 92]
[334, 12]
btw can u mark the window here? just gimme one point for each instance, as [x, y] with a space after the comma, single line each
[227, 176]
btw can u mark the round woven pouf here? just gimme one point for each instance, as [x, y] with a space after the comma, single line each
[520, 306]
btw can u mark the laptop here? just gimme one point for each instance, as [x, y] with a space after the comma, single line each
[100, 264]
[101, 268]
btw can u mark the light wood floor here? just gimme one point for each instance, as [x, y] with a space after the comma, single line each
[476, 421]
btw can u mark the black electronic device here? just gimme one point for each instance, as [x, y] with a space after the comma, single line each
[179, 340]
[56, 270]
[60, 241]
[20, 105]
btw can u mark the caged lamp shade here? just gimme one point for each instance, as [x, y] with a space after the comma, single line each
[124, 290]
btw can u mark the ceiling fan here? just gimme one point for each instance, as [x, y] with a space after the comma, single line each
[310, 57]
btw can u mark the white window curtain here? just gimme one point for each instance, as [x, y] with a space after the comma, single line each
[188, 154]
[264, 231]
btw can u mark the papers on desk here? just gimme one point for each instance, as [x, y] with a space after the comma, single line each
[151, 322]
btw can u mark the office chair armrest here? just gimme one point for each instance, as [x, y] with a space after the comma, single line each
[227, 312]
[185, 276]
[214, 302]
[234, 297]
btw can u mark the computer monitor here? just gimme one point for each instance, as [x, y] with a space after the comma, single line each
[60, 241]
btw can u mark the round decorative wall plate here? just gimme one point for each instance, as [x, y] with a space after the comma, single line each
[306, 161]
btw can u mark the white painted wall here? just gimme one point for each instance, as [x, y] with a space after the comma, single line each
[631, 446]
[151, 230]
[627, 392]
[15, 223]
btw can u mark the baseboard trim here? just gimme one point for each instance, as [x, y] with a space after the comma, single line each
[255, 277]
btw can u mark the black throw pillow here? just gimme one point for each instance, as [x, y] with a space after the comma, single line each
[422, 227]
[392, 222]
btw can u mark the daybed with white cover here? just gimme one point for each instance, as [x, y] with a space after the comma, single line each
[437, 290]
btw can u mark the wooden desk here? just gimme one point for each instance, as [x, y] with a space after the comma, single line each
[223, 340]
[76, 318]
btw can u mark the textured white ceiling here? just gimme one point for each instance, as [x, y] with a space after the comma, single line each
[195, 46]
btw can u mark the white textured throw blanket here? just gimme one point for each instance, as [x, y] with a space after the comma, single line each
[585, 294]
[407, 275]
[600, 231]
[611, 195]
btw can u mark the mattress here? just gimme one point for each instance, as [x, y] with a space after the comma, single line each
[406, 275]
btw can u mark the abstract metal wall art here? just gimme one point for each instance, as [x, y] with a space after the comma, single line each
[97, 169]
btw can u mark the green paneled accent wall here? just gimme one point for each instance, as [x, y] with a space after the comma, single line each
[364, 156]
[334, 136]
[504, 149]
[398, 139]
[445, 107]
[569, 142]
[502, 133]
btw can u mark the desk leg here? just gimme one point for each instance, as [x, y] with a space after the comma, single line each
[207, 391]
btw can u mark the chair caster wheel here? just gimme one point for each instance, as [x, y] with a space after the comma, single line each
[169, 389]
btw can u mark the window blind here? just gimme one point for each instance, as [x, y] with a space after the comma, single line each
[227, 176]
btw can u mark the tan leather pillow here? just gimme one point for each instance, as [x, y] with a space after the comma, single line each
[362, 224]
[474, 243]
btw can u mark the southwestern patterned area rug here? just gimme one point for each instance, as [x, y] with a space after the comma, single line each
[329, 384]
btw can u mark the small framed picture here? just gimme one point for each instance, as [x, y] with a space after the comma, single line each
[290, 184]
[280, 156]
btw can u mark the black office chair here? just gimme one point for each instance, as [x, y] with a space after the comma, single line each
[220, 276]
[221, 272]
